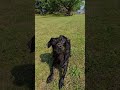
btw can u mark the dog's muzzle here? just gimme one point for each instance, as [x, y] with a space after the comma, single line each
[61, 46]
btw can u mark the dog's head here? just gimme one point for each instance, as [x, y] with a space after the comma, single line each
[58, 44]
[52, 42]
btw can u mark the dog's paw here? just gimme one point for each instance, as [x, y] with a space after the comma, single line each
[49, 79]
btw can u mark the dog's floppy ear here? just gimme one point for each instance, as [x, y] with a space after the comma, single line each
[50, 42]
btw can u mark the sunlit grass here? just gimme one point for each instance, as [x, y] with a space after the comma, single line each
[72, 27]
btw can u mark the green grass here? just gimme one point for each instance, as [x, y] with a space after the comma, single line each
[72, 27]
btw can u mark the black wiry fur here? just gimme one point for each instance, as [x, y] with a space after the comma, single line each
[61, 53]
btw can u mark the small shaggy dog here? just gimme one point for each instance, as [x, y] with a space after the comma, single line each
[61, 53]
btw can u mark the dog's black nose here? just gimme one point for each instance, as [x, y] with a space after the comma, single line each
[59, 45]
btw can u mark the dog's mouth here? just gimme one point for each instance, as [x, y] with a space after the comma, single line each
[60, 46]
[60, 50]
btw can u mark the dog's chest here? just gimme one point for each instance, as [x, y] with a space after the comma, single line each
[59, 58]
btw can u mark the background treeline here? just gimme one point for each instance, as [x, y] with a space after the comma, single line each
[65, 7]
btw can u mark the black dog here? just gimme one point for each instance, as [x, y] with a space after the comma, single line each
[31, 44]
[61, 53]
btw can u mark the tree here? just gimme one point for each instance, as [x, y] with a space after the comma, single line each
[68, 5]
[52, 6]
[41, 6]
[61, 6]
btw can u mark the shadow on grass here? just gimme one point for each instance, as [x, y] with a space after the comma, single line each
[47, 58]
[24, 75]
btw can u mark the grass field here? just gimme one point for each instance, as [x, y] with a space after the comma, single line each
[72, 27]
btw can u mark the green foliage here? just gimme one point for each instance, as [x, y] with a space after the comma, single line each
[61, 6]
[69, 3]
[53, 6]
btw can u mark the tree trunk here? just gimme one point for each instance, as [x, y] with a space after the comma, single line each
[68, 13]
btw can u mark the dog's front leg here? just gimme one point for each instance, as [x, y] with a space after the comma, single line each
[63, 71]
[50, 77]
[65, 61]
